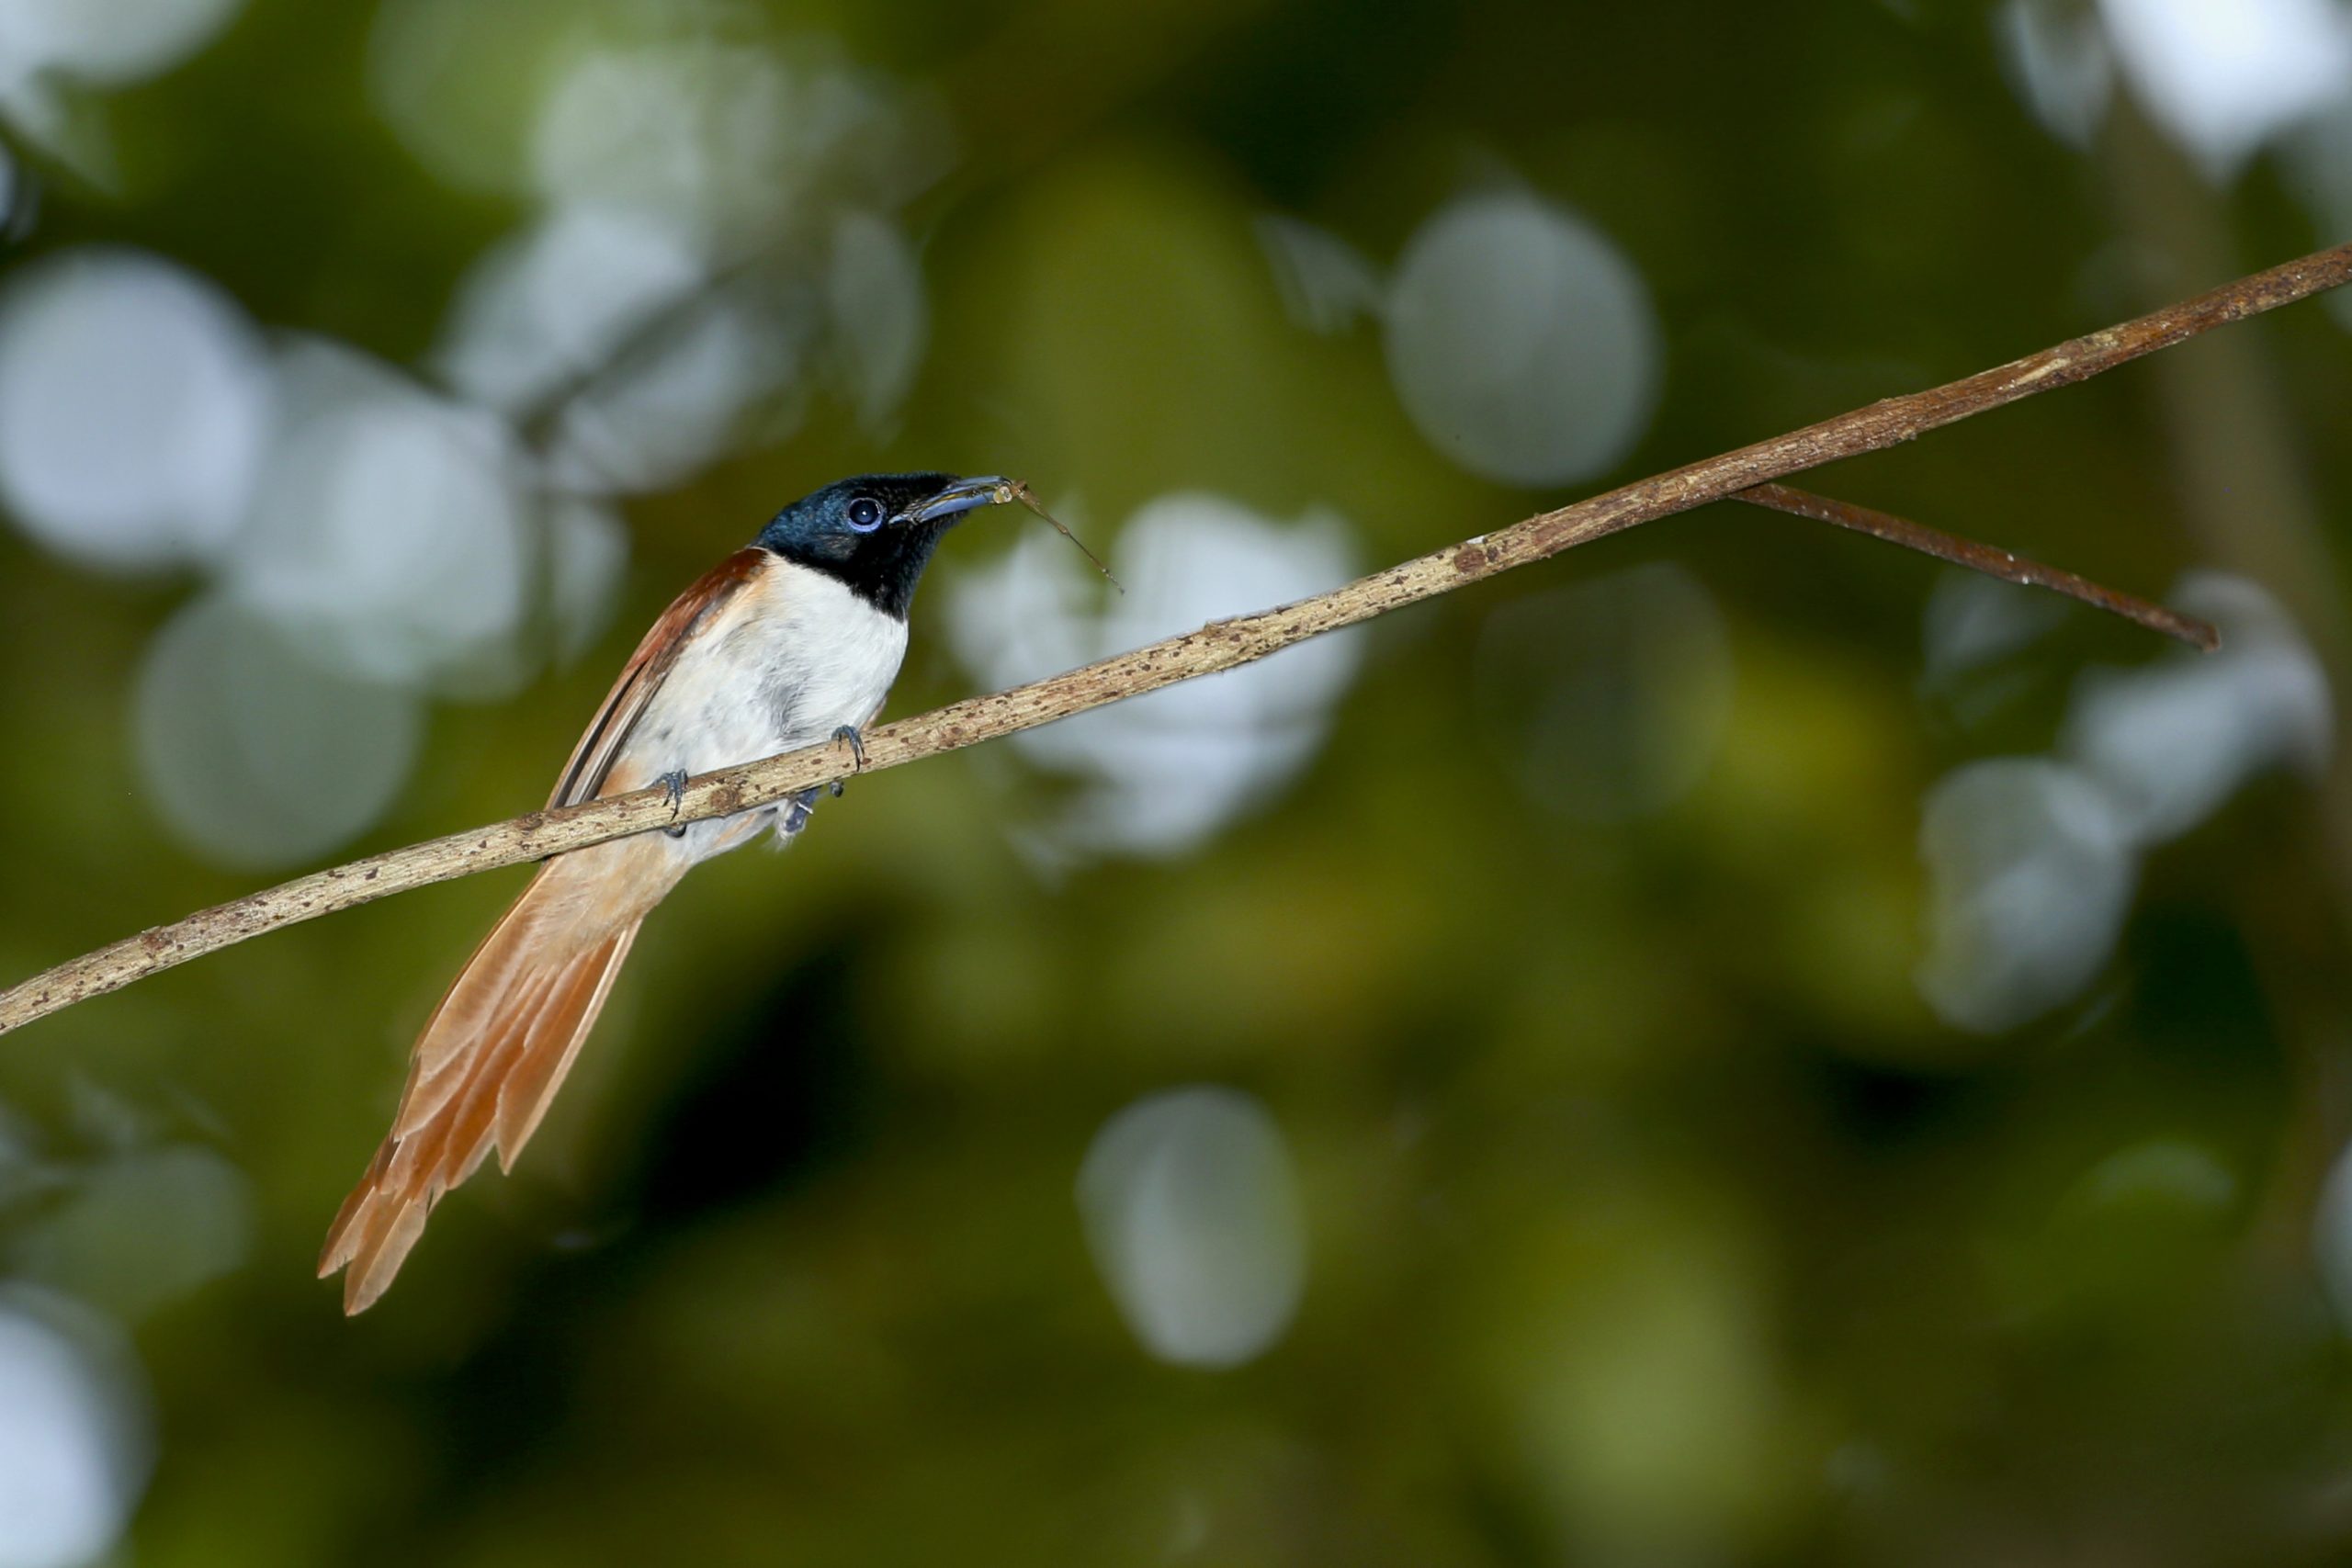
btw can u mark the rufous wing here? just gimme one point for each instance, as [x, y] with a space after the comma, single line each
[591, 760]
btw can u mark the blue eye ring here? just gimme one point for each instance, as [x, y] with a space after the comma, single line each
[864, 514]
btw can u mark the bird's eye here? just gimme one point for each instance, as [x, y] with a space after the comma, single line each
[866, 514]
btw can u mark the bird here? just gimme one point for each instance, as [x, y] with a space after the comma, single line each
[790, 641]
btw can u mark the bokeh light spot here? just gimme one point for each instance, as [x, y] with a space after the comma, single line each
[587, 555]
[459, 82]
[135, 401]
[2030, 874]
[1169, 769]
[1521, 341]
[653, 418]
[1324, 282]
[2059, 58]
[2172, 741]
[105, 42]
[2224, 75]
[1191, 1212]
[74, 1434]
[550, 304]
[388, 534]
[144, 1228]
[1974, 621]
[257, 757]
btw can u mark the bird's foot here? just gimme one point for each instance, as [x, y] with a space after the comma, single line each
[674, 781]
[796, 812]
[856, 742]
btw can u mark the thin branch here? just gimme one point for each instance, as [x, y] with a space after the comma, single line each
[1992, 562]
[1219, 646]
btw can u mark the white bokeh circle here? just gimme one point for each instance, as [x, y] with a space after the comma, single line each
[1521, 341]
[1169, 770]
[135, 403]
[107, 42]
[74, 1433]
[388, 530]
[257, 757]
[1192, 1214]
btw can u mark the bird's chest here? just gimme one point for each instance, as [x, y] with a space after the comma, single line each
[797, 657]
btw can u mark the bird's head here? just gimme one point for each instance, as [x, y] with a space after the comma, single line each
[875, 532]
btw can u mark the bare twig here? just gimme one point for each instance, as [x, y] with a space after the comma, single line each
[1220, 645]
[1992, 562]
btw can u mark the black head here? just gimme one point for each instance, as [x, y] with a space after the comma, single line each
[875, 533]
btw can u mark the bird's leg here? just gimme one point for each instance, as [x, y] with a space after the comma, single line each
[674, 781]
[848, 733]
[796, 812]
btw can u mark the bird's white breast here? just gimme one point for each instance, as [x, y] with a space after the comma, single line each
[785, 662]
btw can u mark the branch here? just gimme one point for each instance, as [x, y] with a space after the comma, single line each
[2199, 635]
[1221, 645]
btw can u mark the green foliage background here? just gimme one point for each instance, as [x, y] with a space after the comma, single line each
[1652, 1216]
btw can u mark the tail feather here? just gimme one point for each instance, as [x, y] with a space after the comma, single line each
[525, 1095]
[428, 1098]
[501, 973]
[484, 1069]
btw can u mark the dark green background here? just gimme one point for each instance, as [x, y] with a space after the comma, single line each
[1651, 1217]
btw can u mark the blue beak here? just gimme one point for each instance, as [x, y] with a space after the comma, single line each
[964, 495]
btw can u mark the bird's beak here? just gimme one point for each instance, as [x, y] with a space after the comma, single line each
[964, 495]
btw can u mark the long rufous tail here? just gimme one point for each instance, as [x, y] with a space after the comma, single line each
[489, 1061]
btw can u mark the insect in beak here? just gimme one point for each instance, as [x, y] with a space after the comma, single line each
[966, 495]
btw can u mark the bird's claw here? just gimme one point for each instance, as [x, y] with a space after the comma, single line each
[674, 781]
[856, 742]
